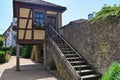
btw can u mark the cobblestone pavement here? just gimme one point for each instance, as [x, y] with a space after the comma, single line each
[29, 71]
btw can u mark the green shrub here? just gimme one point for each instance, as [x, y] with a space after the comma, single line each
[8, 55]
[2, 57]
[26, 52]
[1, 43]
[4, 48]
[8, 52]
[7, 59]
[113, 72]
[14, 51]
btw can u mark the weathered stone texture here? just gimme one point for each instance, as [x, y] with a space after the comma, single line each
[54, 57]
[36, 53]
[99, 43]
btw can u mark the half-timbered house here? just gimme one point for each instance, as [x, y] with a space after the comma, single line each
[33, 17]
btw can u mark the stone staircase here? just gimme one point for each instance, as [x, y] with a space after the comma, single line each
[82, 68]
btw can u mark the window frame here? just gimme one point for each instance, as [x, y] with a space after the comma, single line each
[40, 25]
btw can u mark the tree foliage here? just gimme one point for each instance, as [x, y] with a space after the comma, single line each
[107, 11]
[26, 52]
[2, 57]
[1, 42]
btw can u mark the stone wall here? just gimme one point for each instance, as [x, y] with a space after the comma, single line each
[54, 57]
[99, 43]
[36, 53]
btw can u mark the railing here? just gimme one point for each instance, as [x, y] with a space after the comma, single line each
[52, 33]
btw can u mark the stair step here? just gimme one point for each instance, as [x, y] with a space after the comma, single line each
[61, 47]
[60, 40]
[62, 44]
[76, 61]
[73, 58]
[67, 51]
[71, 55]
[70, 59]
[79, 66]
[64, 49]
[73, 63]
[82, 67]
[90, 77]
[85, 72]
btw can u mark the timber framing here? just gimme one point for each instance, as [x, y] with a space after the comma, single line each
[25, 41]
[29, 29]
[30, 42]
[36, 6]
[17, 5]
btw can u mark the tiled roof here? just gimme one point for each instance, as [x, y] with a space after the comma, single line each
[7, 30]
[40, 2]
[79, 21]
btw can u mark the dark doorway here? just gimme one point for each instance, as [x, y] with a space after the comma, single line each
[51, 20]
[41, 59]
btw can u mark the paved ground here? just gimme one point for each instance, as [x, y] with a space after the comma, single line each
[29, 71]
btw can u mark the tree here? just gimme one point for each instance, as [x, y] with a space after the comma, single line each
[1, 42]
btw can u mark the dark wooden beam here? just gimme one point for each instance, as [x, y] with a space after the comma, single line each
[18, 58]
[30, 42]
[26, 26]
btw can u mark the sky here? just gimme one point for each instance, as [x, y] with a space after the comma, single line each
[76, 9]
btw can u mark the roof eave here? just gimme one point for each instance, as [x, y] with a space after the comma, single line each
[18, 3]
[7, 30]
[64, 9]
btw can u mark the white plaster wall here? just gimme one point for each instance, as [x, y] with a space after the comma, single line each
[11, 39]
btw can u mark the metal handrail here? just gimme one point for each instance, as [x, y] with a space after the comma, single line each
[64, 40]
[71, 48]
[66, 62]
[66, 43]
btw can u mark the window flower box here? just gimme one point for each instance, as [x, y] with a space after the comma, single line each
[39, 26]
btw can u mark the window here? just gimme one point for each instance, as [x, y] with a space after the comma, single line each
[39, 20]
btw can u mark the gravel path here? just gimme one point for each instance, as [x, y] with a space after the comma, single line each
[29, 71]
